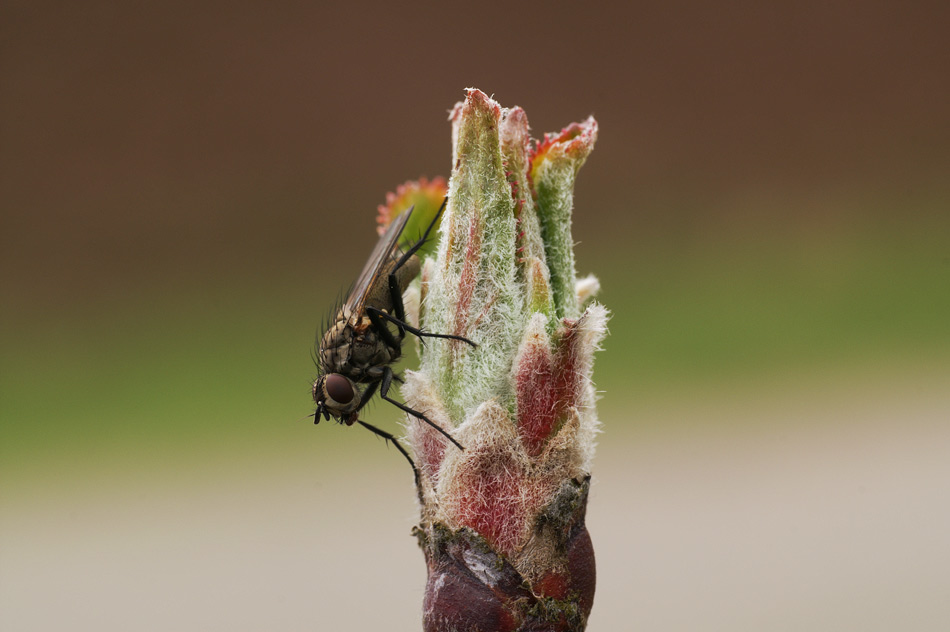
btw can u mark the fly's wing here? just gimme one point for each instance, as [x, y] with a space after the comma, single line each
[382, 253]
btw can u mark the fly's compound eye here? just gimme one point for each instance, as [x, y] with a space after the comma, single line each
[339, 389]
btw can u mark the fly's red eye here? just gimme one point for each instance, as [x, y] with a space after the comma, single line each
[339, 388]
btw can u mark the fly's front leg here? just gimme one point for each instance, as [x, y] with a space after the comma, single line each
[367, 395]
[386, 382]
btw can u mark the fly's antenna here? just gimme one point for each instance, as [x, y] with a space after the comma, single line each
[320, 411]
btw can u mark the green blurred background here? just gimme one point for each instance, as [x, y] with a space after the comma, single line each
[186, 189]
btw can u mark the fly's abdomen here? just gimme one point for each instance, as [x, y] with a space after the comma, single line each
[380, 295]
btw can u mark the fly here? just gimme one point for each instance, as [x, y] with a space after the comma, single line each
[357, 350]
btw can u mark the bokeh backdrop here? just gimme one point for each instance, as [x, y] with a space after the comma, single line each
[187, 187]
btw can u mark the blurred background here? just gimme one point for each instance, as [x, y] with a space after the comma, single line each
[186, 188]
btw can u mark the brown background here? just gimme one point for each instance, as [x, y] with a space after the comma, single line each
[169, 138]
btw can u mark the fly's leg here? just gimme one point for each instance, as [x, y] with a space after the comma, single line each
[386, 382]
[367, 395]
[406, 255]
[380, 327]
[391, 439]
[376, 316]
[394, 291]
[395, 294]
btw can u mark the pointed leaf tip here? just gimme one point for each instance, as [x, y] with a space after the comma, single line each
[423, 195]
[574, 142]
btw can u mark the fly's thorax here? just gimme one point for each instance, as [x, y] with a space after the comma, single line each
[335, 346]
[369, 351]
[356, 350]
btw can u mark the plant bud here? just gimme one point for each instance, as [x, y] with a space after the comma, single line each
[502, 523]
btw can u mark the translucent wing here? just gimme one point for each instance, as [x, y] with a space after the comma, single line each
[382, 253]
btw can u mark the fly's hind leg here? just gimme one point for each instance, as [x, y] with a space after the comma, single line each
[386, 382]
[406, 255]
[398, 316]
[377, 315]
[394, 292]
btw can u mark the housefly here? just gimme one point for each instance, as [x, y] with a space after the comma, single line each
[360, 344]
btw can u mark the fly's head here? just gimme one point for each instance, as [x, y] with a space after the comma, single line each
[336, 396]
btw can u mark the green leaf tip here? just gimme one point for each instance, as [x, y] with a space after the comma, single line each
[554, 166]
